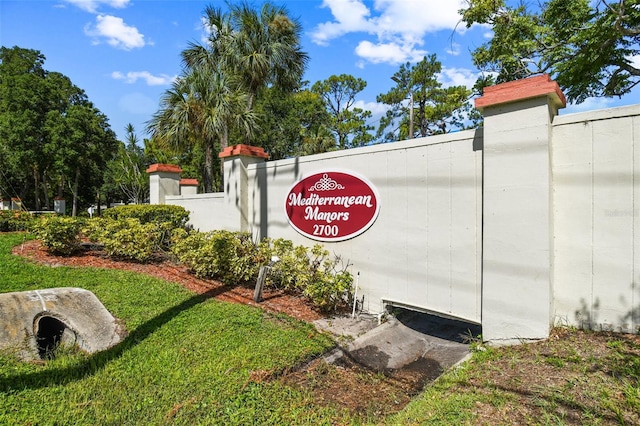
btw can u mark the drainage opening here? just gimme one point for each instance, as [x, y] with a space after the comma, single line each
[50, 334]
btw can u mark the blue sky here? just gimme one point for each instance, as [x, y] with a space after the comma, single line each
[125, 53]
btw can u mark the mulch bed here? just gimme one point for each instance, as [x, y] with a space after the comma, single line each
[273, 300]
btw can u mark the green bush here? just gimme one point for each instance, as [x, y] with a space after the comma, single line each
[231, 257]
[14, 220]
[150, 213]
[59, 234]
[292, 271]
[313, 273]
[129, 238]
[328, 288]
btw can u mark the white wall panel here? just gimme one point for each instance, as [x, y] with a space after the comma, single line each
[406, 256]
[596, 168]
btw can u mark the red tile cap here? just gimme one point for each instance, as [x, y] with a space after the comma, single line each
[168, 168]
[246, 150]
[188, 182]
[518, 90]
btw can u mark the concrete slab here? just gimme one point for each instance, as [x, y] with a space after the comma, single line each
[409, 339]
[34, 323]
[348, 327]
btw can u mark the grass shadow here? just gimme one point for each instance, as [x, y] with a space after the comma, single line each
[97, 361]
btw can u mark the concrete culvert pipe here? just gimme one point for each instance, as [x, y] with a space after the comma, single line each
[51, 333]
[33, 324]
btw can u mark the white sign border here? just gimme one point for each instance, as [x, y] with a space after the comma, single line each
[346, 237]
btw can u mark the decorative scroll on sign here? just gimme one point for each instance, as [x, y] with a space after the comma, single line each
[332, 206]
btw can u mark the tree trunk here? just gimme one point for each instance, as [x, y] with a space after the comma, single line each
[224, 142]
[45, 190]
[208, 168]
[36, 190]
[61, 187]
[75, 193]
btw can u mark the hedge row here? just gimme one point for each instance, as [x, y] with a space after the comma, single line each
[142, 233]
[150, 213]
[233, 258]
[14, 220]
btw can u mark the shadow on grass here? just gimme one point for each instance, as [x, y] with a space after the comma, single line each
[97, 361]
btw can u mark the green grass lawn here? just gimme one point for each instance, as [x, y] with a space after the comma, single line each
[192, 360]
[187, 360]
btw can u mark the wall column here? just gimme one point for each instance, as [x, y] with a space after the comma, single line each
[164, 179]
[236, 181]
[188, 186]
[517, 292]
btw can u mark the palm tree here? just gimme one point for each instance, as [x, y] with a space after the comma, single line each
[267, 48]
[246, 51]
[259, 48]
[199, 108]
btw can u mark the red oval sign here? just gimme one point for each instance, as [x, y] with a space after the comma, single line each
[332, 206]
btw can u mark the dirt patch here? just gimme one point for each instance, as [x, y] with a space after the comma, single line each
[346, 384]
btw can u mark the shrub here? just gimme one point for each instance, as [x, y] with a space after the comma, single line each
[328, 288]
[227, 256]
[233, 257]
[292, 271]
[15, 220]
[314, 273]
[148, 213]
[129, 238]
[59, 235]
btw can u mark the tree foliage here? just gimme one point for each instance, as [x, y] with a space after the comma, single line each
[51, 136]
[591, 48]
[198, 111]
[347, 122]
[247, 51]
[127, 175]
[418, 93]
[293, 124]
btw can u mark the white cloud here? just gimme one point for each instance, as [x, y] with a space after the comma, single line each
[457, 77]
[350, 15]
[117, 33]
[151, 80]
[635, 60]
[391, 53]
[393, 30]
[377, 109]
[92, 5]
[454, 49]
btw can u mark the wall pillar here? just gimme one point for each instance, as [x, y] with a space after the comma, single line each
[59, 205]
[164, 179]
[188, 186]
[16, 204]
[236, 180]
[517, 294]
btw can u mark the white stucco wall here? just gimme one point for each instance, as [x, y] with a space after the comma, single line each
[561, 201]
[424, 249]
[206, 211]
[596, 208]
[516, 248]
[162, 183]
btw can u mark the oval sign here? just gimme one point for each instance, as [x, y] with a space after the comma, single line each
[332, 206]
